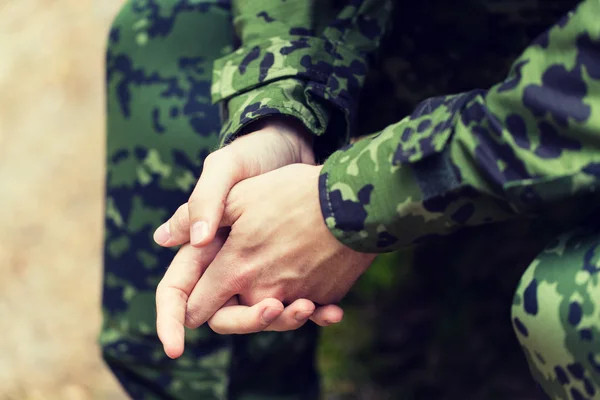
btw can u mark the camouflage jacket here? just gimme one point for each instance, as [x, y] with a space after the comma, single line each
[517, 149]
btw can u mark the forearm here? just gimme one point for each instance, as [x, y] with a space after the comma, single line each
[478, 157]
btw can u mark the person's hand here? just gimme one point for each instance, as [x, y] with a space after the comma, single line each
[278, 248]
[279, 141]
[268, 315]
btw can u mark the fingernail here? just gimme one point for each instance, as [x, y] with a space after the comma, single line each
[330, 322]
[270, 314]
[301, 316]
[162, 234]
[199, 232]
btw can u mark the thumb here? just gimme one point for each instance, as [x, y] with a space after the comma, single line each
[198, 220]
[248, 156]
[207, 202]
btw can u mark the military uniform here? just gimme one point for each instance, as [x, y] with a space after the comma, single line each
[485, 178]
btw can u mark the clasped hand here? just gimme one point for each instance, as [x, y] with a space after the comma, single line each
[257, 242]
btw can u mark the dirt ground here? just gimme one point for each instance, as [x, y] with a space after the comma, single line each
[51, 172]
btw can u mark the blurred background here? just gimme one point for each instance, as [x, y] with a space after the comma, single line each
[51, 176]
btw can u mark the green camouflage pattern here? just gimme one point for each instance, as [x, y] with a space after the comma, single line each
[161, 126]
[312, 54]
[555, 314]
[481, 156]
[429, 322]
[391, 211]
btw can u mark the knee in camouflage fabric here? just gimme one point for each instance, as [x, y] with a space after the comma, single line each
[556, 316]
[161, 125]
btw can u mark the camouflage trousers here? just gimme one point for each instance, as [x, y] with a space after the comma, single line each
[441, 329]
[556, 314]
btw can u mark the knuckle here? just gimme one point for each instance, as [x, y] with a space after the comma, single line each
[182, 210]
[242, 278]
[192, 319]
[180, 220]
[196, 209]
[193, 201]
[221, 158]
[161, 289]
[164, 289]
[226, 161]
[212, 158]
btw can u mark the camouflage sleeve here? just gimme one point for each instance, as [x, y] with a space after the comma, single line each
[526, 144]
[302, 58]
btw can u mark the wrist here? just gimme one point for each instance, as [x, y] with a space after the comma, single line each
[299, 138]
